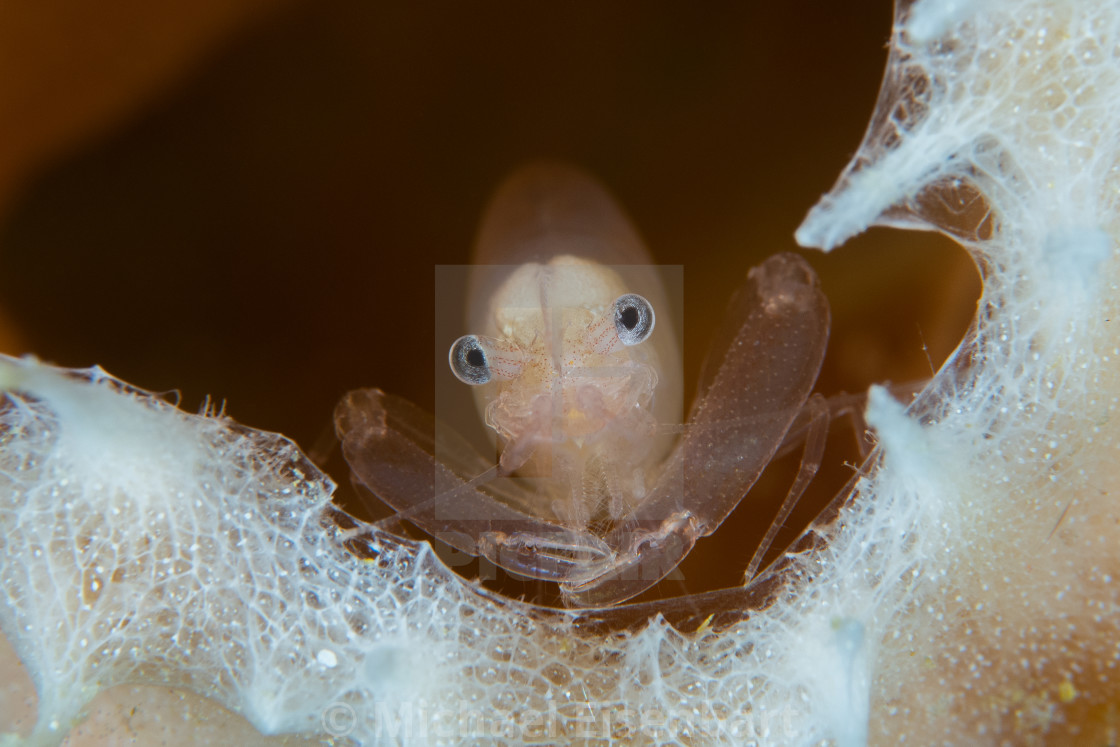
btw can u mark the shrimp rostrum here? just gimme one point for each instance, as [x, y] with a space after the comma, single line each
[592, 481]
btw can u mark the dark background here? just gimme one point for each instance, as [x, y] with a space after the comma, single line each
[263, 228]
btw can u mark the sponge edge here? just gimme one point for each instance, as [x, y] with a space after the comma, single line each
[232, 575]
[136, 538]
[998, 125]
[197, 553]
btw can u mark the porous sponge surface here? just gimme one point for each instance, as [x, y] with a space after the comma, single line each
[998, 125]
[145, 544]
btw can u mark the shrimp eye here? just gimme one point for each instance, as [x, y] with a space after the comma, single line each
[468, 361]
[476, 359]
[633, 319]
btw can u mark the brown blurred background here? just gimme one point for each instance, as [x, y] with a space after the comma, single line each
[247, 199]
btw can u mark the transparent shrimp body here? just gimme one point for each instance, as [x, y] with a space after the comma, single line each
[574, 373]
[595, 482]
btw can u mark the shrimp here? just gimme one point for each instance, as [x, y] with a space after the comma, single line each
[575, 367]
